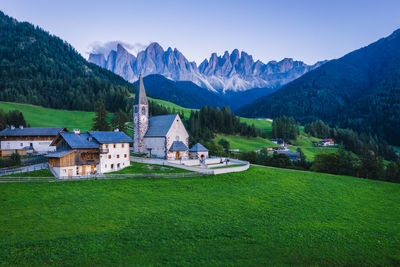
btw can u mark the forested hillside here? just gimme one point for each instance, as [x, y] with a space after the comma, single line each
[360, 90]
[41, 69]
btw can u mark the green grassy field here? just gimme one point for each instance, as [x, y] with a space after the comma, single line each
[245, 144]
[254, 218]
[38, 116]
[37, 173]
[148, 168]
[171, 105]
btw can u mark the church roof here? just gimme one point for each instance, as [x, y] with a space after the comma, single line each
[140, 97]
[160, 125]
[178, 146]
[110, 137]
[197, 148]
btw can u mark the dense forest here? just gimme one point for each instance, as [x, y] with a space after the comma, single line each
[11, 118]
[360, 91]
[41, 69]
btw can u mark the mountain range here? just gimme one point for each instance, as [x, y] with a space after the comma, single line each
[360, 90]
[231, 72]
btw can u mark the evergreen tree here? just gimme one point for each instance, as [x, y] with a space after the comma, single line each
[119, 120]
[100, 120]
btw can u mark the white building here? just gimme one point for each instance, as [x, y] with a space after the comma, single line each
[198, 151]
[36, 139]
[89, 153]
[162, 136]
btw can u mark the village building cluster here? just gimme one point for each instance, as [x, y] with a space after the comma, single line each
[74, 153]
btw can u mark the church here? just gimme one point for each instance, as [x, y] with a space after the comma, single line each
[162, 136]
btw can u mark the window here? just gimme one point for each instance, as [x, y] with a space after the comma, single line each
[22, 144]
[115, 146]
[125, 156]
[136, 109]
[112, 166]
[109, 156]
[123, 145]
[118, 165]
[117, 156]
[143, 111]
[105, 166]
[106, 146]
[177, 138]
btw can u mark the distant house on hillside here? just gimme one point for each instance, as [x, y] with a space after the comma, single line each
[24, 140]
[162, 136]
[80, 154]
[278, 141]
[328, 142]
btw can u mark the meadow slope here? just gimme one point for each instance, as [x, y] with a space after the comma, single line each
[259, 217]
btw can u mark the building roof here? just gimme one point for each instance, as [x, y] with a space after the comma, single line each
[160, 125]
[34, 131]
[59, 154]
[140, 97]
[110, 137]
[198, 148]
[178, 146]
[82, 140]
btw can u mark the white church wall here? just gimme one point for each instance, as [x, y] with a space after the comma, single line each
[157, 145]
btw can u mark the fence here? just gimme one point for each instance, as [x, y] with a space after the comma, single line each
[12, 170]
[100, 177]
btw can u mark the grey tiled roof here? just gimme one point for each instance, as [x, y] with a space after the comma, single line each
[58, 154]
[197, 148]
[34, 131]
[178, 146]
[160, 125]
[110, 137]
[82, 140]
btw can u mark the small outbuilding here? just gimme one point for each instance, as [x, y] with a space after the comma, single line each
[198, 151]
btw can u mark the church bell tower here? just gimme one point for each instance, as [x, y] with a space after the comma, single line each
[140, 118]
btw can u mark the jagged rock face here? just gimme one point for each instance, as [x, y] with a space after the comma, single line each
[235, 71]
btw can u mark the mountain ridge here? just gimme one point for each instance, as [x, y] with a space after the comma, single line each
[231, 72]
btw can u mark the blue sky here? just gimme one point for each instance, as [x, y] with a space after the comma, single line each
[307, 30]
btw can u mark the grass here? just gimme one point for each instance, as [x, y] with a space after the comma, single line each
[259, 217]
[260, 124]
[171, 105]
[36, 173]
[38, 116]
[144, 168]
[245, 144]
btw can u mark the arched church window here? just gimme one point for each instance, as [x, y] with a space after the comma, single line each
[136, 109]
[143, 111]
[177, 138]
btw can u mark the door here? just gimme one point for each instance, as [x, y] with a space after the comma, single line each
[70, 172]
[83, 169]
[92, 168]
[177, 155]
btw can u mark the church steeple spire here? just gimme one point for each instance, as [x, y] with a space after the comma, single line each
[140, 97]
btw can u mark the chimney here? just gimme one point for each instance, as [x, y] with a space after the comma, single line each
[21, 127]
[116, 130]
[12, 127]
[77, 131]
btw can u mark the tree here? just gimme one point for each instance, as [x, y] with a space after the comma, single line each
[100, 120]
[286, 128]
[16, 159]
[224, 143]
[119, 120]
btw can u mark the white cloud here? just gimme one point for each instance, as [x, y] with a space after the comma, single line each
[105, 48]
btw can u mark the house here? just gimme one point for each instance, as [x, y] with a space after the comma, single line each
[162, 136]
[293, 156]
[278, 141]
[328, 142]
[28, 140]
[93, 152]
[278, 148]
[198, 151]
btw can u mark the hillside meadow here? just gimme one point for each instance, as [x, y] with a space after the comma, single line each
[263, 216]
